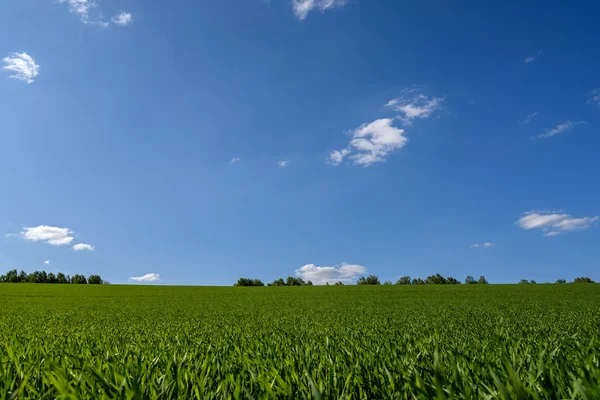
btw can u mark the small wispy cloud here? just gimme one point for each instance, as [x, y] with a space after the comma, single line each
[47, 262]
[234, 160]
[485, 245]
[283, 164]
[22, 65]
[413, 107]
[371, 143]
[152, 277]
[531, 58]
[87, 11]
[83, 247]
[123, 19]
[553, 223]
[337, 156]
[346, 273]
[529, 118]
[595, 97]
[303, 7]
[558, 129]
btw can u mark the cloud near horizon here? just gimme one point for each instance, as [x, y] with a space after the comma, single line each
[553, 223]
[48, 234]
[83, 246]
[346, 273]
[151, 277]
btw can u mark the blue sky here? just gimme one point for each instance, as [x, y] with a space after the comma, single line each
[418, 137]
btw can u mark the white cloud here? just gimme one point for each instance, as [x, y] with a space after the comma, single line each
[123, 19]
[372, 143]
[552, 233]
[336, 157]
[50, 234]
[529, 118]
[560, 128]
[303, 7]
[322, 275]
[531, 59]
[283, 164]
[419, 106]
[484, 245]
[83, 246]
[234, 160]
[552, 223]
[83, 9]
[47, 262]
[595, 97]
[146, 278]
[22, 65]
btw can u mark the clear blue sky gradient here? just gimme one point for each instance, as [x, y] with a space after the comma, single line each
[126, 135]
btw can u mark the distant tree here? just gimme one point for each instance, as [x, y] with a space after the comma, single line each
[2, 278]
[339, 283]
[61, 278]
[11, 277]
[482, 280]
[561, 281]
[51, 278]
[278, 282]
[418, 281]
[388, 283]
[293, 281]
[309, 283]
[583, 279]
[524, 282]
[469, 280]
[94, 280]
[436, 279]
[532, 282]
[105, 282]
[404, 280]
[78, 279]
[243, 282]
[23, 277]
[451, 281]
[369, 280]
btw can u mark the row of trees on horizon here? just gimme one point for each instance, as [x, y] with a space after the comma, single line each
[436, 279]
[44, 277]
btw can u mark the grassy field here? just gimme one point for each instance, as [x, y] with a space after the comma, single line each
[388, 342]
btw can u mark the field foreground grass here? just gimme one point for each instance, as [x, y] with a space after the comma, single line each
[351, 342]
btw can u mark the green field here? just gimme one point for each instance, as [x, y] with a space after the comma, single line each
[358, 342]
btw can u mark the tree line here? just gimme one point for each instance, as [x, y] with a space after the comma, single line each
[290, 281]
[583, 279]
[44, 277]
[436, 279]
